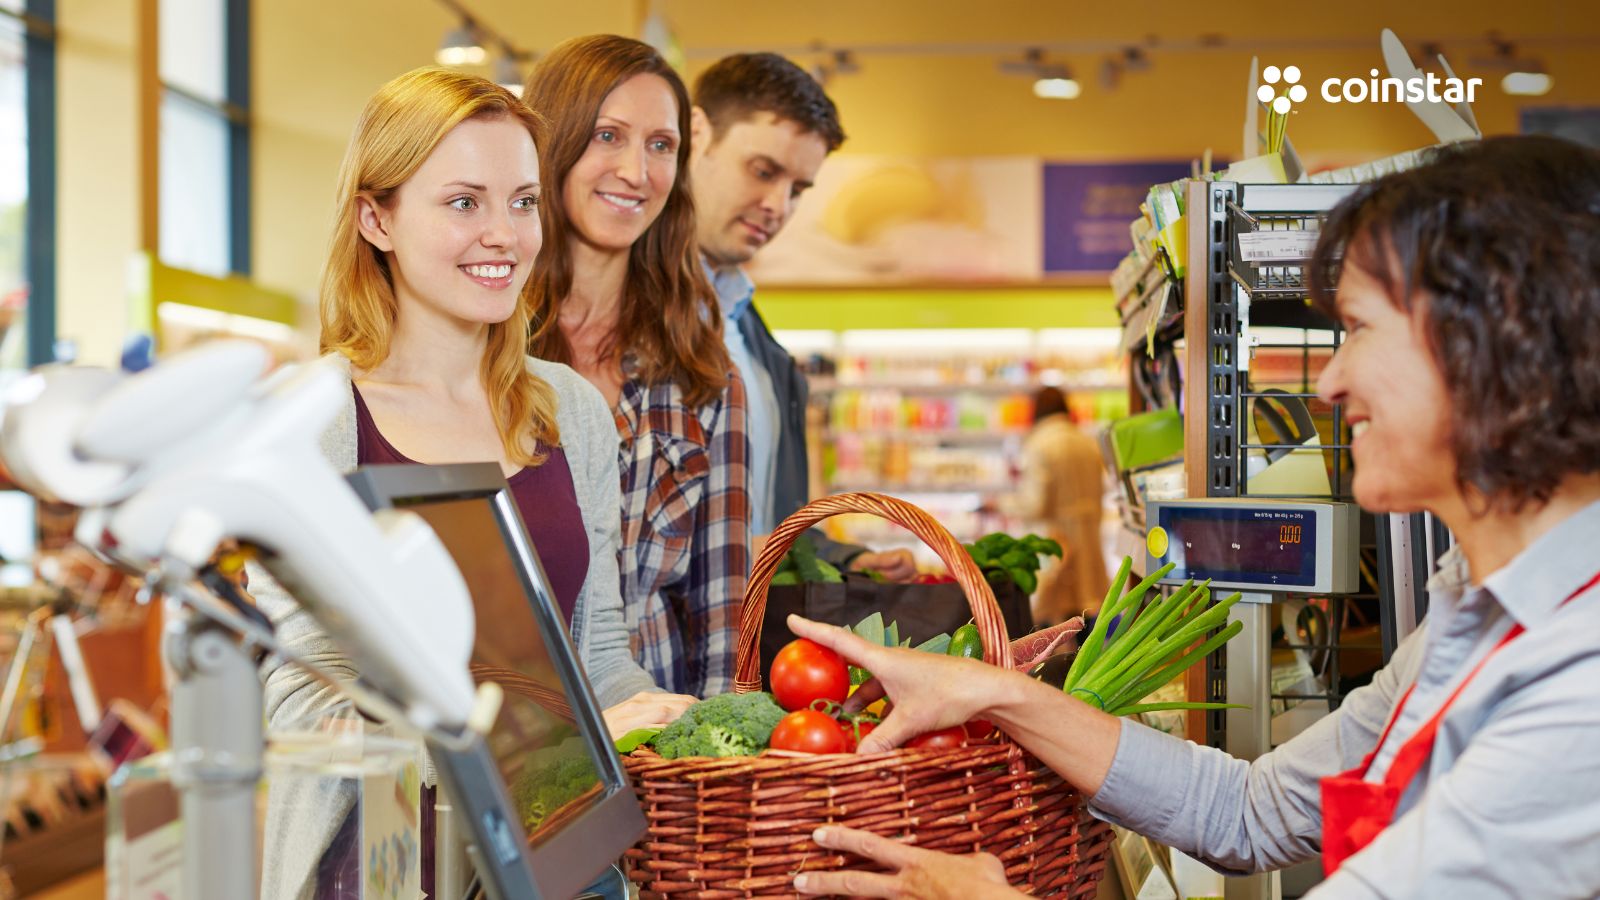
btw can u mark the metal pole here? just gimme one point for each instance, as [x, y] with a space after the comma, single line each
[1249, 731]
[216, 753]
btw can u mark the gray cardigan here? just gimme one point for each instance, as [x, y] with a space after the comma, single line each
[589, 435]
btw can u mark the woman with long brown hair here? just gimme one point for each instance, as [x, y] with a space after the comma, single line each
[619, 294]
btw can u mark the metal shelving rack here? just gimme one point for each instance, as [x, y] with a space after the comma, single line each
[1225, 297]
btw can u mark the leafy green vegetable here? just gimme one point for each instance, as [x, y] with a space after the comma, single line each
[727, 725]
[636, 738]
[802, 559]
[1003, 558]
[873, 631]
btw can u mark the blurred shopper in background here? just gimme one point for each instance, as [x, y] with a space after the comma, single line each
[1060, 495]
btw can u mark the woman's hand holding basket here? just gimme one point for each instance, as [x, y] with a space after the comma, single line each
[920, 874]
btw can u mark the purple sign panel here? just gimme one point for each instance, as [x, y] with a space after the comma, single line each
[1089, 206]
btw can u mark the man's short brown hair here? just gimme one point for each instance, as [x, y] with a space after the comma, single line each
[737, 87]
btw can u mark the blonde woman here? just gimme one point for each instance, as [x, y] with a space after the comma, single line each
[424, 301]
[620, 295]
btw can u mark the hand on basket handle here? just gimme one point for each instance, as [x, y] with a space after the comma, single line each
[929, 691]
[917, 873]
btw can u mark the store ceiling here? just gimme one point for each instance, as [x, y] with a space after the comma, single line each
[317, 61]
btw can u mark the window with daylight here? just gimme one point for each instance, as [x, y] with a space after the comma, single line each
[27, 184]
[205, 135]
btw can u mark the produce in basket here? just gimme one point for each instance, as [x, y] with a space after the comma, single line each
[727, 725]
[1134, 649]
[804, 672]
[744, 827]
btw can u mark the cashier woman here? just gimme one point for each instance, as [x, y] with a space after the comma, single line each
[1470, 767]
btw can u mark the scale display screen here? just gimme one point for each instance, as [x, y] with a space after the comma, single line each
[1256, 546]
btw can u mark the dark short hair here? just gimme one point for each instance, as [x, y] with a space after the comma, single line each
[1048, 401]
[1498, 242]
[737, 87]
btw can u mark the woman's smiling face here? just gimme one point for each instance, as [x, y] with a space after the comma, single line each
[619, 186]
[462, 232]
[1394, 398]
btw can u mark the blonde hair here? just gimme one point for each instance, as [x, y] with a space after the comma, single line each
[398, 130]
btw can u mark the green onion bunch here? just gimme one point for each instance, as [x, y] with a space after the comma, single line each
[1150, 645]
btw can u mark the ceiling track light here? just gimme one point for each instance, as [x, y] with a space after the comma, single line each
[462, 46]
[468, 45]
[1524, 77]
[1051, 80]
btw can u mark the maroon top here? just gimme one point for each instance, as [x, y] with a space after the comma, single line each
[545, 497]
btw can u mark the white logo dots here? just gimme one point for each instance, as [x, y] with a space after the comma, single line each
[1294, 91]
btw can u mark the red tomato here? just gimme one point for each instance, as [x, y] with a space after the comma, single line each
[978, 729]
[804, 672]
[943, 739]
[855, 731]
[808, 731]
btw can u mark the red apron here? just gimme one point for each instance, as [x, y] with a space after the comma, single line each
[1355, 811]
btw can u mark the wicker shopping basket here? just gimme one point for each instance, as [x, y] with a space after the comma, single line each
[741, 827]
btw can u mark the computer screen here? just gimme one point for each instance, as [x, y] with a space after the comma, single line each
[547, 766]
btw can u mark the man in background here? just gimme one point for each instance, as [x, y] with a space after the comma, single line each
[760, 129]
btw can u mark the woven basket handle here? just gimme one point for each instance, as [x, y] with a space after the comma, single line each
[985, 611]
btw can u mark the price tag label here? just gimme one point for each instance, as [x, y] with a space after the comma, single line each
[1277, 246]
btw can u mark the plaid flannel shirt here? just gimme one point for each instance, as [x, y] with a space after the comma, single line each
[685, 553]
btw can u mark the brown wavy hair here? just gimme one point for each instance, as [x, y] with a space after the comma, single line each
[1498, 243]
[669, 319]
[398, 130]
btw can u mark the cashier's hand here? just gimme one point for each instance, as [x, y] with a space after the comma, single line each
[921, 874]
[894, 565]
[929, 691]
[646, 709]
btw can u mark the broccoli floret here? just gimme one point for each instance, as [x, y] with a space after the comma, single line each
[729, 725]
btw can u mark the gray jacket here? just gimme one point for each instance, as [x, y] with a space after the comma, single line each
[589, 436]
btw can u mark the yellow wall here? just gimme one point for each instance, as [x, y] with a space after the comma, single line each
[961, 105]
[316, 62]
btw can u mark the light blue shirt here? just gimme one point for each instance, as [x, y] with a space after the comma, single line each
[762, 423]
[1509, 803]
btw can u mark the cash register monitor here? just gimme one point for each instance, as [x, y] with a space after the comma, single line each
[546, 800]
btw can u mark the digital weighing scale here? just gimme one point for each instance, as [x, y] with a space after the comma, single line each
[1249, 544]
[1263, 548]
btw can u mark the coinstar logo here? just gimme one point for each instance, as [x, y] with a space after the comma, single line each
[1424, 86]
[1293, 91]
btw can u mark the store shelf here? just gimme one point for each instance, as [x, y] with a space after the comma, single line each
[825, 385]
[943, 435]
[927, 488]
